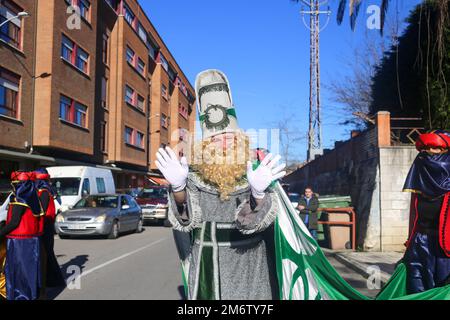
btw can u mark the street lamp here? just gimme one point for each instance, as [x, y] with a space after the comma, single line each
[22, 14]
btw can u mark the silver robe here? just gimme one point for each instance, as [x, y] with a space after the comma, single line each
[240, 266]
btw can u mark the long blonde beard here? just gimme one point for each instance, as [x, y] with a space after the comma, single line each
[222, 169]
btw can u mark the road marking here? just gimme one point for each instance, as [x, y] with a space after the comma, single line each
[121, 257]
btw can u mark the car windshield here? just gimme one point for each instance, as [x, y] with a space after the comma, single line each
[154, 193]
[98, 202]
[294, 197]
[66, 186]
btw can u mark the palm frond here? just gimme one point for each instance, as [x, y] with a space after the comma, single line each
[355, 5]
[384, 9]
[341, 11]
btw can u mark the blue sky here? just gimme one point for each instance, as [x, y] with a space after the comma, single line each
[263, 48]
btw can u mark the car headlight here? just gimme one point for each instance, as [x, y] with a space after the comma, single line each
[59, 218]
[101, 218]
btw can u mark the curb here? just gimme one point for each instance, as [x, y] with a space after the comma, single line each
[357, 266]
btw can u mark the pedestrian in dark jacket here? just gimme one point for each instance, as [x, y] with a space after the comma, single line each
[308, 205]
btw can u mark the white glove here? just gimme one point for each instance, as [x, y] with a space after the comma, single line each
[261, 178]
[175, 172]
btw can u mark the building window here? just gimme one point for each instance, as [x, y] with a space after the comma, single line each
[72, 111]
[191, 97]
[141, 67]
[105, 48]
[103, 136]
[134, 137]
[129, 15]
[10, 32]
[9, 94]
[164, 92]
[104, 92]
[139, 139]
[85, 7]
[181, 85]
[74, 55]
[140, 102]
[67, 49]
[128, 135]
[163, 62]
[183, 110]
[164, 121]
[65, 105]
[82, 60]
[131, 56]
[142, 33]
[129, 95]
[135, 61]
[172, 74]
[152, 49]
[80, 115]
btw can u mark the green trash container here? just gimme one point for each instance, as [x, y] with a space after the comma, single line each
[324, 231]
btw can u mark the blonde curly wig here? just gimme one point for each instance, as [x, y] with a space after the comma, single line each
[224, 169]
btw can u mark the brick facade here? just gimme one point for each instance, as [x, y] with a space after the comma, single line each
[41, 128]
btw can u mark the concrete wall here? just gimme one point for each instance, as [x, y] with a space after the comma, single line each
[395, 163]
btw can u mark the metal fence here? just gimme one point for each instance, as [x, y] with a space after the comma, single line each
[404, 131]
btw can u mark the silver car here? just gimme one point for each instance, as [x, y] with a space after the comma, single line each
[107, 215]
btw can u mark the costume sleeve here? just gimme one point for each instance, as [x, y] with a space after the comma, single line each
[187, 216]
[45, 199]
[251, 218]
[412, 217]
[17, 213]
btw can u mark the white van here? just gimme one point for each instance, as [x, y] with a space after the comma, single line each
[75, 182]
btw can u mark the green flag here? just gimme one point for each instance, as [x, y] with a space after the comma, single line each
[304, 273]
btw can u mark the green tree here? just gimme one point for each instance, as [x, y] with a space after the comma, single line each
[412, 78]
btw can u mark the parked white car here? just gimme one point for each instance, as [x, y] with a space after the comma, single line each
[76, 182]
[294, 197]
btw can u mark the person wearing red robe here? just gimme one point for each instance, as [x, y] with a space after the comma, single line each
[427, 258]
[23, 230]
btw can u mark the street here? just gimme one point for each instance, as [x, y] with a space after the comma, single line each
[136, 267]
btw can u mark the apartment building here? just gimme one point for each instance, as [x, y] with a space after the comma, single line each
[88, 83]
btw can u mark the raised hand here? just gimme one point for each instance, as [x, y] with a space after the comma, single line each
[175, 171]
[261, 178]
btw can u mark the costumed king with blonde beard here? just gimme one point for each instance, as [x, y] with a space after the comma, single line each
[222, 210]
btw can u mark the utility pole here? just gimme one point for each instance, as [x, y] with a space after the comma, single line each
[315, 147]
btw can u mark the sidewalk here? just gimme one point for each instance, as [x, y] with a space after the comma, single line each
[361, 262]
